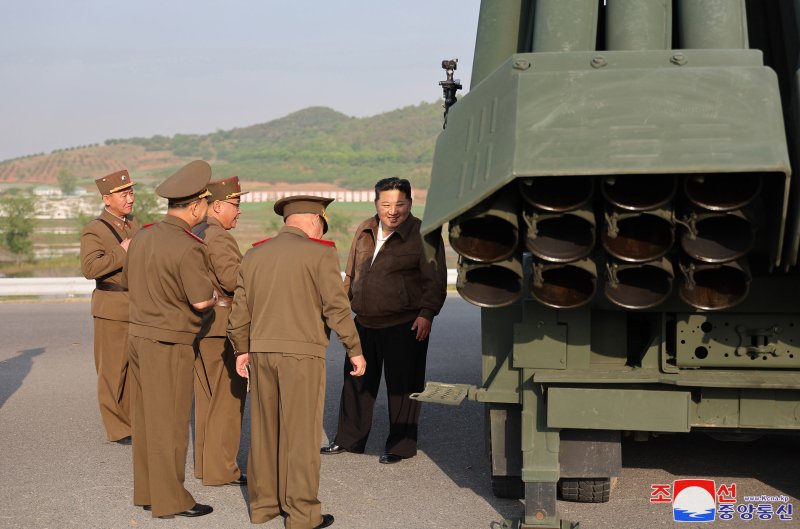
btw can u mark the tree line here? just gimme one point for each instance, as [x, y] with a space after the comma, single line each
[18, 218]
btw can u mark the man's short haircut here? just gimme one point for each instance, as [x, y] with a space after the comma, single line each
[182, 205]
[392, 183]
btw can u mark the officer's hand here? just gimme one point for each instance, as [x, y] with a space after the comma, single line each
[423, 328]
[242, 361]
[359, 365]
[125, 244]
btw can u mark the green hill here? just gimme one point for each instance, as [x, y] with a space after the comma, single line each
[316, 144]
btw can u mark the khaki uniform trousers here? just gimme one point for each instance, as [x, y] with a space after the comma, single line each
[219, 395]
[286, 407]
[162, 408]
[113, 383]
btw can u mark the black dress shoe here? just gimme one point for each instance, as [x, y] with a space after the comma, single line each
[126, 441]
[331, 449]
[240, 481]
[198, 510]
[147, 508]
[327, 521]
[388, 459]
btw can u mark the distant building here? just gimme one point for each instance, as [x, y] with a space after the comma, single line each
[60, 207]
[340, 196]
[47, 191]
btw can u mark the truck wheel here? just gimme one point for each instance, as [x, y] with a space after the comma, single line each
[585, 490]
[510, 487]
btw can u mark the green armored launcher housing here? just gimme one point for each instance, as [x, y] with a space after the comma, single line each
[618, 186]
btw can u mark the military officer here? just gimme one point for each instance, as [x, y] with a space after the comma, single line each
[167, 276]
[104, 243]
[289, 291]
[219, 393]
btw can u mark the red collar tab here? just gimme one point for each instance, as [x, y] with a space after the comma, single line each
[148, 225]
[261, 242]
[322, 241]
[195, 237]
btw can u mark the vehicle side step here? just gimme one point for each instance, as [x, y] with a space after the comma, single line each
[441, 393]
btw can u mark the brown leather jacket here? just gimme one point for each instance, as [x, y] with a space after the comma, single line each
[401, 284]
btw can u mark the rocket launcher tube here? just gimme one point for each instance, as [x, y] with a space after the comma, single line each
[722, 191]
[560, 237]
[490, 284]
[640, 285]
[638, 236]
[637, 25]
[564, 286]
[489, 232]
[708, 286]
[717, 237]
[565, 25]
[639, 192]
[557, 193]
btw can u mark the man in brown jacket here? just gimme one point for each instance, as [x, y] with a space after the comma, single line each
[167, 276]
[219, 393]
[288, 295]
[395, 293]
[104, 243]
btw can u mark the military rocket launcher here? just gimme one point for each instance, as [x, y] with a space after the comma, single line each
[618, 186]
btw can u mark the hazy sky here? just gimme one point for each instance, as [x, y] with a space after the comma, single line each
[82, 71]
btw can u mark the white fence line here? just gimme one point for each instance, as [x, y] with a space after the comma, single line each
[78, 286]
[367, 195]
[45, 286]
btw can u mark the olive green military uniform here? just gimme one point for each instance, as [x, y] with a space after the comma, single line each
[166, 273]
[219, 393]
[102, 259]
[288, 291]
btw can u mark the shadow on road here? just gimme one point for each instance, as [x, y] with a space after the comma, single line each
[455, 440]
[452, 437]
[14, 370]
[698, 455]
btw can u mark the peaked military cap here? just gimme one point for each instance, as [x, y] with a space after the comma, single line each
[188, 184]
[114, 182]
[303, 204]
[225, 189]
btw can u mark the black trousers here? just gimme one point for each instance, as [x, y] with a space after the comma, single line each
[395, 350]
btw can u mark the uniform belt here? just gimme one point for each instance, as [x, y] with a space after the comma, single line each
[224, 301]
[109, 286]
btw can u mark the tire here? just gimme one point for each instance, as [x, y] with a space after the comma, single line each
[585, 490]
[510, 487]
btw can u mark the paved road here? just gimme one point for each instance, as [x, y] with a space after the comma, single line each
[57, 471]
